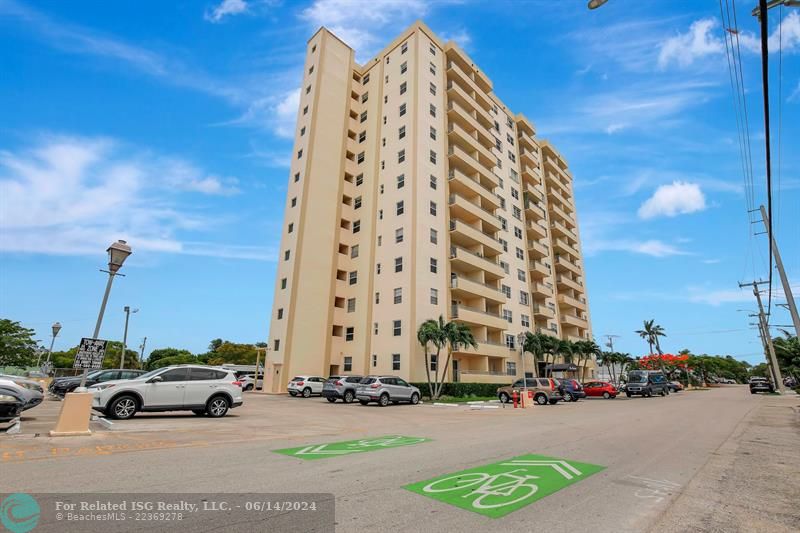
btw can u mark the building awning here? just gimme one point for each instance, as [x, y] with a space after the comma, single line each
[562, 367]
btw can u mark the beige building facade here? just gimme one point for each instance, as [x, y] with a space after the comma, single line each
[413, 193]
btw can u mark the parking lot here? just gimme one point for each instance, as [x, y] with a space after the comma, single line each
[649, 450]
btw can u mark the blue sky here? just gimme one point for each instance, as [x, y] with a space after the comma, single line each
[169, 124]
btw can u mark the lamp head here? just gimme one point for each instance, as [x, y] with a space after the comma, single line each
[56, 328]
[594, 4]
[117, 254]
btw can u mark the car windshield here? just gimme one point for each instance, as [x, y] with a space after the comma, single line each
[298, 378]
[367, 381]
[637, 378]
[657, 378]
[148, 375]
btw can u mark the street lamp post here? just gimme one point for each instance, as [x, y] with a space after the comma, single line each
[56, 329]
[521, 342]
[128, 312]
[118, 252]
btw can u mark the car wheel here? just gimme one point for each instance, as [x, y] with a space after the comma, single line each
[568, 397]
[123, 407]
[504, 397]
[414, 399]
[384, 400]
[628, 394]
[606, 395]
[292, 394]
[199, 412]
[306, 392]
[540, 399]
[331, 399]
[553, 402]
[348, 397]
[248, 387]
[363, 402]
[217, 407]
[752, 392]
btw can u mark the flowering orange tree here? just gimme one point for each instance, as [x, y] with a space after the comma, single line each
[667, 362]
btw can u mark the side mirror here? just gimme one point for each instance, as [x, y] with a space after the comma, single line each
[156, 379]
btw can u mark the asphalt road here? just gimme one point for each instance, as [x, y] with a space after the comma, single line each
[652, 449]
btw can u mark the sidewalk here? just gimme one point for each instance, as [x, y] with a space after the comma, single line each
[752, 482]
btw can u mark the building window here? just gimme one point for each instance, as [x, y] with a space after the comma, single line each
[286, 255]
[433, 69]
[504, 266]
[502, 203]
[359, 179]
[507, 315]
[294, 201]
[520, 254]
[434, 362]
[434, 265]
[403, 67]
[305, 110]
[503, 223]
[280, 314]
[360, 158]
[525, 320]
[514, 193]
[401, 181]
[433, 182]
[395, 361]
[364, 116]
[520, 275]
[498, 144]
[377, 268]
[276, 345]
[348, 364]
[398, 235]
[354, 251]
[433, 157]
[510, 342]
[299, 153]
[364, 97]
[308, 89]
[374, 360]
[523, 297]
[433, 133]
[297, 177]
[516, 212]
[353, 277]
[433, 208]
[511, 368]
[283, 283]
[403, 88]
[404, 48]
[398, 295]
[291, 227]
[397, 328]
[356, 226]
[517, 232]
[504, 244]
[357, 203]
[432, 110]
[365, 80]
[401, 132]
[506, 290]
[402, 109]
[362, 137]
[401, 156]
[435, 296]
[433, 53]
[349, 333]
[433, 89]
[434, 236]
[302, 131]
[399, 208]
[351, 305]
[398, 264]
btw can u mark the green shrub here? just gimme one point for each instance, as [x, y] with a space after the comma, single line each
[462, 390]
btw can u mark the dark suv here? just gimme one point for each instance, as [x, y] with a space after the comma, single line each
[571, 389]
[341, 388]
[646, 383]
[61, 386]
[759, 384]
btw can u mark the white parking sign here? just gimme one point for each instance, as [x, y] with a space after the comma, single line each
[90, 354]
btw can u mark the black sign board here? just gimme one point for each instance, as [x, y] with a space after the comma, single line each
[90, 354]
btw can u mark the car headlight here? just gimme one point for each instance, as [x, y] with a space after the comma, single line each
[5, 398]
[100, 387]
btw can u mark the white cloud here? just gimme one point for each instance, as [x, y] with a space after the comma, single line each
[711, 261]
[717, 297]
[461, 37]
[74, 195]
[614, 128]
[225, 8]
[685, 48]
[795, 94]
[675, 199]
[786, 33]
[651, 247]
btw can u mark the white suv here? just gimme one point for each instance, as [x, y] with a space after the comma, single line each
[200, 389]
[306, 385]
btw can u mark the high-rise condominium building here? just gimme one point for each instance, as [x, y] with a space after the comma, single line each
[414, 193]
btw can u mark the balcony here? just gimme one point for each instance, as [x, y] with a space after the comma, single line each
[478, 317]
[459, 136]
[470, 211]
[553, 179]
[476, 82]
[535, 230]
[564, 246]
[532, 174]
[539, 269]
[569, 301]
[558, 211]
[456, 92]
[543, 311]
[469, 261]
[556, 193]
[569, 283]
[533, 192]
[467, 288]
[485, 348]
[538, 250]
[529, 157]
[473, 165]
[460, 182]
[534, 211]
[561, 230]
[542, 289]
[465, 235]
[562, 263]
[526, 141]
[552, 330]
[573, 320]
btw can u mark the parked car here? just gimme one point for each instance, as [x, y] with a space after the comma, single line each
[341, 388]
[30, 396]
[61, 386]
[545, 390]
[305, 386]
[727, 381]
[570, 389]
[675, 386]
[600, 388]
[249, 382]
[11, 404]
[201, 389]
[760, 384]
[646, 383]
[24, 382]
[385, 389]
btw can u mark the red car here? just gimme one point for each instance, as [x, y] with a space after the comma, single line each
[600, 388]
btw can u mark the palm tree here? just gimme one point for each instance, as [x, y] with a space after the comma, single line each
[430, 332]
[585, 350]
[566, 349]
[651, 333]
[647, 334]
[456, 335]
[534, 344]
[550, 347]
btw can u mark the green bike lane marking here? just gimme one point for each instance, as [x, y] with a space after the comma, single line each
[496, 489]
[349, 447]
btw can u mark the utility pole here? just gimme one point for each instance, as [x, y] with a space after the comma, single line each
[128, 312]
[787, 289]
[776, 371]
[141, 347]
[764, 345]
[610, 342]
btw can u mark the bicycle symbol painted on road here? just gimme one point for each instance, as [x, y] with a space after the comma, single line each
[386, 442]
[497, 489]
[350, 447]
